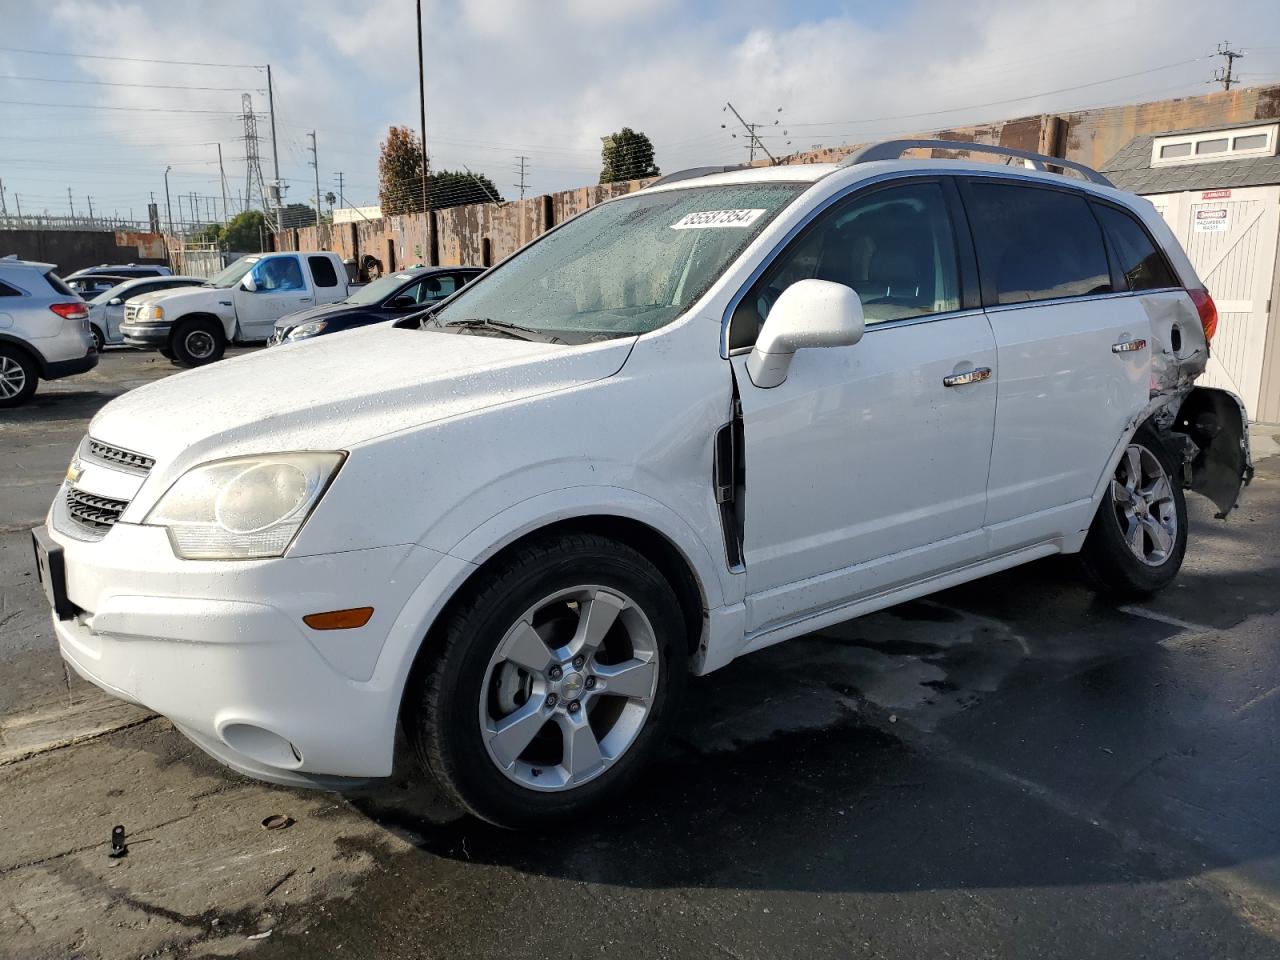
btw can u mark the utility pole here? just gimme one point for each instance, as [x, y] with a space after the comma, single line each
[89, 199]
[751, 132]
[71, 203]
[222, 175]
[4, 209]
[523, 183]
[180, 220]
[342, 203]
[168, 207]
[18, 203]
[315, 163]
[422, 98]
[275, 153]
[1224, 75]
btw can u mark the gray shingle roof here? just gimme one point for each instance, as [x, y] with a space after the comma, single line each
[1130, 169]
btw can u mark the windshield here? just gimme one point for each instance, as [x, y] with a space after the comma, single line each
[378, 290]
[232, 275]
[625, 267]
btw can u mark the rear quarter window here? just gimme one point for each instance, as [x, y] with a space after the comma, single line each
[1035, 243]
[322, 270]
[8, 291]
[1140, 260]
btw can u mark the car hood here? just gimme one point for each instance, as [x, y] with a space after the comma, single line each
[194, 295]
[323, 312]
[334, 392]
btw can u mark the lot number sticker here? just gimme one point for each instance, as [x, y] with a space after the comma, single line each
[1212, 221]
[717, 219]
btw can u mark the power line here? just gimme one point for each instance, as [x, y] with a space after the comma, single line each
[113, 83]
[97, 56]
[94, 106]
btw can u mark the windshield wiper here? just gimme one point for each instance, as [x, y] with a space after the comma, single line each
[513, 330]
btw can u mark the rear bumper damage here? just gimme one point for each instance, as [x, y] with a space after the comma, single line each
[1210, 429]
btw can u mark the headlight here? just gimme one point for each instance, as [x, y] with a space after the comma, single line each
[304, 330]
[152, 311]
[243, 508]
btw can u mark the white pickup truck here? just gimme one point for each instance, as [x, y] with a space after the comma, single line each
[192, 326]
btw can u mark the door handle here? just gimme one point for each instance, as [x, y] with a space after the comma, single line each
[1129, 346]
[972, 376]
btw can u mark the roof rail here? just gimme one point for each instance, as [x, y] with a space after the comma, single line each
[893, 149]
[693, 172]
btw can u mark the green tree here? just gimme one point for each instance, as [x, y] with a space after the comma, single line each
[626, 155]
[453, 188]
[400, 172]
[210, 233]
[244, 233]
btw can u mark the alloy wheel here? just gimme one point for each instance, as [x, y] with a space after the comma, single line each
[13, 378]
[1142, 496]
[569, 688]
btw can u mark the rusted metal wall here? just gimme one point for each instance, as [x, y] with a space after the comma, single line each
[480, 234]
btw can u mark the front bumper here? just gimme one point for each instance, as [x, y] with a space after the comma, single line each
[219, 648]
[146, 335]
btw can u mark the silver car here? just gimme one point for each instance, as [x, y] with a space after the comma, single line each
[44, 329]
[106, 309]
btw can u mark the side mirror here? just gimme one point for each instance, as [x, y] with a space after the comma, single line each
[810, 313]
[402, 302]
[249, 283]
[115, 301]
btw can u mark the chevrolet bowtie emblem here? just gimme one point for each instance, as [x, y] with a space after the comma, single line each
[74, 471]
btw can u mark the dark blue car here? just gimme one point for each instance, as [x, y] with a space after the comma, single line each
[386, 298]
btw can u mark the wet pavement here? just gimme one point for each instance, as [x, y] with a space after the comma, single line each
[1013, 768]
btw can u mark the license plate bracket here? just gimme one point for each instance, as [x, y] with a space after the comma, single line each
[52, 571]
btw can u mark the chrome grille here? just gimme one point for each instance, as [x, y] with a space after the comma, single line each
[98, 514]
[131, 312]
[120, 457]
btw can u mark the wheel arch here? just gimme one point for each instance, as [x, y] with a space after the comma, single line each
[195, 315]
[31, 352]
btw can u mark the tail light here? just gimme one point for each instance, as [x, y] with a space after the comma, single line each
[71, 311]
[1207, 309]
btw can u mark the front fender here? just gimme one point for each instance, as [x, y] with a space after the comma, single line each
[509, 525]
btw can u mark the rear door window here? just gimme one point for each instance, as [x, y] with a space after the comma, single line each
[1035, 243]
[1140, 260]
[323, 272]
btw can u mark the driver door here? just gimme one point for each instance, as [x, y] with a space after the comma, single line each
[866, 469]
[282, 288]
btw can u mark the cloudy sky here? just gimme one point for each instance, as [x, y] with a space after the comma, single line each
[548, 79]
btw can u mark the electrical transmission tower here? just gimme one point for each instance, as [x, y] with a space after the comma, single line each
[253, 179]
[1224, 75]
[521, 169]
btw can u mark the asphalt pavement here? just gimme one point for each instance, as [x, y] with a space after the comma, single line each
[1012, 768]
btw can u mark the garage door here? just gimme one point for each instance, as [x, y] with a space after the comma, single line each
[1230, 236]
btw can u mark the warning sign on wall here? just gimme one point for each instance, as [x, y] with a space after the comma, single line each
[1212, 221]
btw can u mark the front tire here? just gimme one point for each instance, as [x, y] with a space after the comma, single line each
[99, 340]
[554, 683]
[197, 342]
[1138, 537]
[18, 376]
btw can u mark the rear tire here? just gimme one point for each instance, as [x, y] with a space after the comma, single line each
[197, 342]
[1138, 537]
[581, 640]
[18, 376]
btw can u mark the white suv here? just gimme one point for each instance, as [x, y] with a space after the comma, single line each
[44, 329]
[687, 424]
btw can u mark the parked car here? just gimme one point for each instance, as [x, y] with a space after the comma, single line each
[121, 270]
[89, 285]
[386, 298]
[241, 304]
[689, 423]
[106, 310]
[44, 329]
